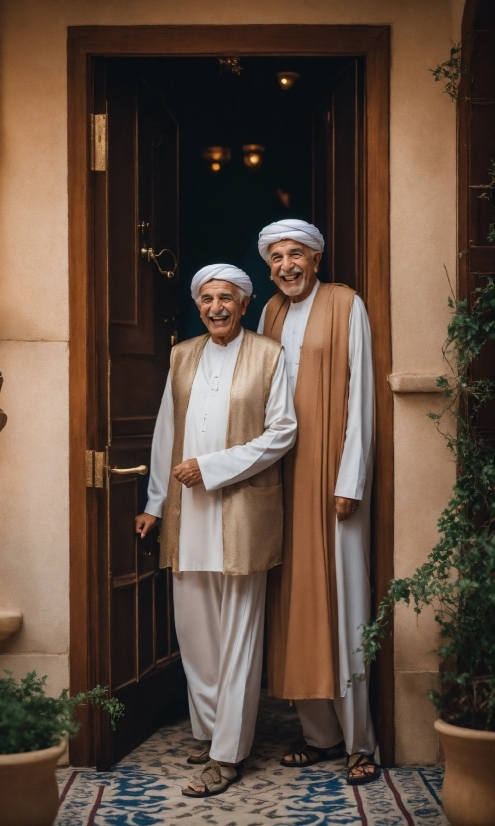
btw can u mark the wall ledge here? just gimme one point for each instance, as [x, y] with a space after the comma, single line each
[10, 622]
[414, 383]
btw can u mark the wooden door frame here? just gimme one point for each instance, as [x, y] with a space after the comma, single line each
[473, 260]
[86, 42]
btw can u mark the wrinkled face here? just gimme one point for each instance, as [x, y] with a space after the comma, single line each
[221, 310]
[293, 267]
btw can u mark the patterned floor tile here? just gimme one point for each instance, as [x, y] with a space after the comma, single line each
[145, 788]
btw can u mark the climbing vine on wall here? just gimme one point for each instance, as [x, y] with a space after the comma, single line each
[458, 577]
[450, 71]
[489, 195]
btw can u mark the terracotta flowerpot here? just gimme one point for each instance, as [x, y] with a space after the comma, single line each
[28, 789]
[468, 793]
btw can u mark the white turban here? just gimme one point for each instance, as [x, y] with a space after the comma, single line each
[223, 272]
[291, 228]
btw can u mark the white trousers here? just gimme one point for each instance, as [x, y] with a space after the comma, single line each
[219, 622]
[327, 722]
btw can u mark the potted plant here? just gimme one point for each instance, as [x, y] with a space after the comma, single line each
[33, 736]
[458, 578]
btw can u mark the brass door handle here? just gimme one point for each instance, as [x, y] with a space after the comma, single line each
[121, 471]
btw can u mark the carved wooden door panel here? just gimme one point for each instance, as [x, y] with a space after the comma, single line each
[136, 306]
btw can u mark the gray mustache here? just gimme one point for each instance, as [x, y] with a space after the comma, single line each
[214, 316]
[294, 271]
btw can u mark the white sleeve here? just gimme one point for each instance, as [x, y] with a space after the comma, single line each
[161, 454]
[242, 461]
[358, 445]
[261, 324]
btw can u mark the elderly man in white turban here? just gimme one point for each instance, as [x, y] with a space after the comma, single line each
[226, 419]
[320, 597]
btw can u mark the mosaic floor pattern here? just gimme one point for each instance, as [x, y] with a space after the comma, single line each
[145, 788]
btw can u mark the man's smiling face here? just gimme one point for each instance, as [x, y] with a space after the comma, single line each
[293, 268]
[221, 309]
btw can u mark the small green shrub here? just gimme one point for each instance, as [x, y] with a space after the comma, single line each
[29, 720]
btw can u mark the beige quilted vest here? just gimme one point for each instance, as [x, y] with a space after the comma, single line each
[252, 510]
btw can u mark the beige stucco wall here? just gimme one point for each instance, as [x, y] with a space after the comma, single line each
[34, 304]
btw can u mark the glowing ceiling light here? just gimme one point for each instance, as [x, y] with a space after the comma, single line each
[287, 79]
[216, 156]
[253, 155]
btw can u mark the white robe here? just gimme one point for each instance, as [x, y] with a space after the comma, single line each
[219, 619]
[219, 622]
[200, 538]
[352, 537]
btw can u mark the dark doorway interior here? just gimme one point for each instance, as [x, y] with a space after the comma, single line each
[221, 212]
[158, 190]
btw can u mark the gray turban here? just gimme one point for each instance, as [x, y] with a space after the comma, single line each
[223, 272]
[291, 228]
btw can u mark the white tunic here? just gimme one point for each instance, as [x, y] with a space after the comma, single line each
[354, 479]
[200, 538]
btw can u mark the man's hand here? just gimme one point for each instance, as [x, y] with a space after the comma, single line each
[188, 473]
[344, 508]
[145, 522]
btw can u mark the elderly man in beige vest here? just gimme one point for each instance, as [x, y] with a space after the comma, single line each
[226, 420]
[320, 597]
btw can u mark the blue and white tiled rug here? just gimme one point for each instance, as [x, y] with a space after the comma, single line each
[145, 788]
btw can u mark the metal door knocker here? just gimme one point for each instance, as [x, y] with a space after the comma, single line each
[149, 253]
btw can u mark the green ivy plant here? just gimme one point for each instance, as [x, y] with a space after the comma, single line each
[450, 72]
[489, 195]
[458, 578]
[29, 720]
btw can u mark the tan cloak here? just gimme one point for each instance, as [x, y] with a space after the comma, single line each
[302, 593]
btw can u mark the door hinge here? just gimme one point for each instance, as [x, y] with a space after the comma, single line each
[99, 143]
[95, 469]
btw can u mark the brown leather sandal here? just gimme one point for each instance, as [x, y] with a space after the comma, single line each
[214, 778]
[303, 758]
[199, 758]
[365, 762]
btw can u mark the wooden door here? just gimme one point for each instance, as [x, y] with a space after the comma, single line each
[476, 175]
[135, 209]
[337, 177]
